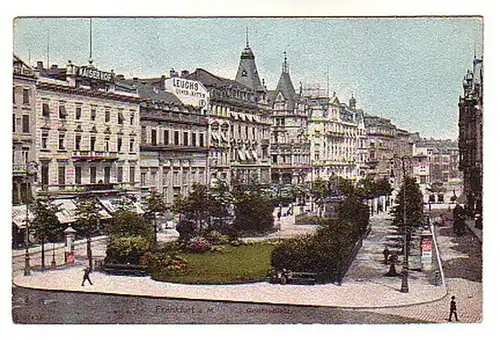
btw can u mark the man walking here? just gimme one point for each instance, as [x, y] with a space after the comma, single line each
[86, 273]
[453, 309]
[386, 253]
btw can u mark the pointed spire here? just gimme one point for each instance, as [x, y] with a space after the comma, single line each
[246, 35]
[285, 64]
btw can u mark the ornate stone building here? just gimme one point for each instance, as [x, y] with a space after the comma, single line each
[239, 124]
[470, 141]
[382, 143]
[290, 147]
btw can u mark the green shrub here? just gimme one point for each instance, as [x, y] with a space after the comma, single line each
[216, 238]
[126, 249]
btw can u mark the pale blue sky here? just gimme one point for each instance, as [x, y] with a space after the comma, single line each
[406, 69]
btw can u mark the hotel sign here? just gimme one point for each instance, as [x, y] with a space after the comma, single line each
[190, 92]
[95, 74]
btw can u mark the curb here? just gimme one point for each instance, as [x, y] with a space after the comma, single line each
[58, 290]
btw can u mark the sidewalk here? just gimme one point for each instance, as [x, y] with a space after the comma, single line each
[471, 224]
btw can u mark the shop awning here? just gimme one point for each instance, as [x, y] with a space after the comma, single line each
[67, 210]
[215, 137]
[111, 204]
[19, 216]
[254, 154]
[247, 154]
[241, 155]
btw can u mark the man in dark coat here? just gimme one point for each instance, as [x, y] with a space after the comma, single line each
[453, 309]
[86, 273]
[386, 253]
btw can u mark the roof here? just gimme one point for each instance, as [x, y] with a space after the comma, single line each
[285, 86]
[150, 88]
[211, 80]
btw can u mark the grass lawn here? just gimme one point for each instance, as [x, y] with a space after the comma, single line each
[246, 263]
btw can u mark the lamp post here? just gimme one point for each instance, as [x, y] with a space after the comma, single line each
[404, 276]
[31, 169]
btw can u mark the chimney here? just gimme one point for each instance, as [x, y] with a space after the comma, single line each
[162, 82]
[184, 73]
[120, 76]
[39, 65]
[53, 67]
[173, 73]
[135, 78]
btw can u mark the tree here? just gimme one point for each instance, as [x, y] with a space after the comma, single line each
[154, 205]
[220, 202]
[87, 220]
[352, 210]
[253, 211]
[340, 186]
[383, 187]
[409, 205]
[196, 206]
[46, 224]
[130, 236]
[319, 190]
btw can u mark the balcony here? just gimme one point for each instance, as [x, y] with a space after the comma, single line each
[18, 169]
[94, 156]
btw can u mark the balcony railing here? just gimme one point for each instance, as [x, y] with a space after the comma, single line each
[95, 155]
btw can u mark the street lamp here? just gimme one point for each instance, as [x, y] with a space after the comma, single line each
[404, 276]
[31, 169]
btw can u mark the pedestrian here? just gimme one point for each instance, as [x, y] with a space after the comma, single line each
[86, 273]
[386, 253]
[453, 309]
[279, 214]
[284, 276]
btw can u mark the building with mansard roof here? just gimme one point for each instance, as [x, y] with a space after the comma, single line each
[470, 140]
[239, 124]
[173, 142]
[290, 148]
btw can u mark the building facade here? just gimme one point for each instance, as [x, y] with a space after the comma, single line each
[382, 141]
[87, 134]
[470, 141]
[173, 145]
[23, 129]
[290, 147]
[239, 124]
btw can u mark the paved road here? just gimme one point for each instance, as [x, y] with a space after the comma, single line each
[41, 307]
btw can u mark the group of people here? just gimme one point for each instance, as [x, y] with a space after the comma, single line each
[289, 211]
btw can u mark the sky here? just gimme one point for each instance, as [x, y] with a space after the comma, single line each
[407, 69]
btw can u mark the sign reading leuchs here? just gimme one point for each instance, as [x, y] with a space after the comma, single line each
[93, 73]
[190, 92]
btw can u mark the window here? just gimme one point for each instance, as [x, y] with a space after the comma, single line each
[92, 143]
[186, 138]
[119, 144]
[120, 117]
[61, 141]
[193, 139]
[45, 137]
[132, 174]
[132, 142]
[78, 113]
[153, 136]
[143, 179]
[61, 178]
[144, 134]
[93, 174]
[119, 174]
[45, 110]
[45, 174]
[166, 137]
[26, 124]
[26, 96]
[107, 116]
[153, 177]
[275, 159]
[202, 140]
[93, 113]
[176, 137]
[132, 116]
[14, 122]
[62, 112]
[106, 144]
[78, 142]
[78, 174]
[13, 95]
[107, 174]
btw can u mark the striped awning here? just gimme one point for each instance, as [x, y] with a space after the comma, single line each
[19, 216]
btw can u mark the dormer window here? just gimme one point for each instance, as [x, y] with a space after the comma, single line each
[243, 73]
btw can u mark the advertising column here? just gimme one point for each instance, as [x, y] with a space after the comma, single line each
[426, 246]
